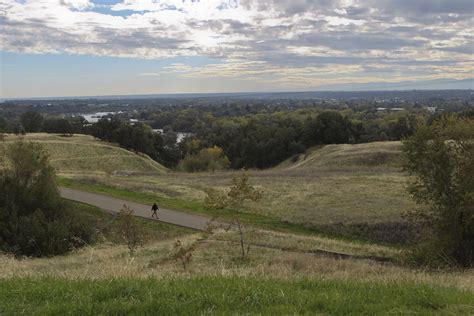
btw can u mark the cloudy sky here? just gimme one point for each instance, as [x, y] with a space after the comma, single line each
[92, 47]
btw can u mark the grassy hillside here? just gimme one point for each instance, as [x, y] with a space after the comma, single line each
[353, 190]
[357, 189]
[83, 155]
[370, 155]
[105, 279]
[280, 275]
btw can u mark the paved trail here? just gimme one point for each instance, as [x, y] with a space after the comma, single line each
[113, 205]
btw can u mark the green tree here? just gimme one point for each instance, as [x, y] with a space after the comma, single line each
[329, 127]
[32, 121]
[58, 125]
[440, 161]
[239, 192]
[34, 221]
[3, 125]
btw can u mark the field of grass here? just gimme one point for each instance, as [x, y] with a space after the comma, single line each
[227, 295]
[355, 189]
[284, 272]
[82, 155]
[105, 278]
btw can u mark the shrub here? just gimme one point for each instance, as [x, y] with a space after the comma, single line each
[34, 221]
[128, 229]
[183, 254]
[207, 159]
[439, 159]
[240, 191]
[215, 199]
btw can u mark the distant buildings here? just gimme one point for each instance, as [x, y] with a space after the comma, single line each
[390, 109]
[179, 135]
[430, 109]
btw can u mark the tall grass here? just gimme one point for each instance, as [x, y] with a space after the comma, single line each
[227, 295]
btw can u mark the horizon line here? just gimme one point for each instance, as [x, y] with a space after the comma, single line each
[184, 94]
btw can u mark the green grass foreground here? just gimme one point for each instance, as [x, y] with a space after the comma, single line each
[218, 295]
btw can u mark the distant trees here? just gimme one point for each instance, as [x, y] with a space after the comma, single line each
[34, 122]
[3, 125]
[34, 221]
[105, 128]
[139, 137]
[440, 161]
[263, 141]
[330, 127]
[258, 141]
[31, 121]
[57, 125]
[251, 136]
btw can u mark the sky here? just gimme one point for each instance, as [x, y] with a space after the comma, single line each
[121, 47]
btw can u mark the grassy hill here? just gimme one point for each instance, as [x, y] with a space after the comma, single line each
[84, 155]
[335, 188]
[370, 155]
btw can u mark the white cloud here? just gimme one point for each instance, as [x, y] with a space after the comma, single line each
[283, 39]
[78, 4]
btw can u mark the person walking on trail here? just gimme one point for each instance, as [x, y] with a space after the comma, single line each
[154, 209]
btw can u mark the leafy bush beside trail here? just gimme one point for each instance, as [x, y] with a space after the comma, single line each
[34, 221]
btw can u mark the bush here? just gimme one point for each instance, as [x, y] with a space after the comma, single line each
[208, 159]
[439, 159]
[128, 229]
[34, 221]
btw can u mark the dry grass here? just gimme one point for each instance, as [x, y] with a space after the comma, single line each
[316, 197]
[220, 259]
[334, 184]
[82, 155]
[309, 244]
[376, 154]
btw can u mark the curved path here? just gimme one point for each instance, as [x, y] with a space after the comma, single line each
[113, 205]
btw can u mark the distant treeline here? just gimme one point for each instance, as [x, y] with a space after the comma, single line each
[249, 137]
[263, 140]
